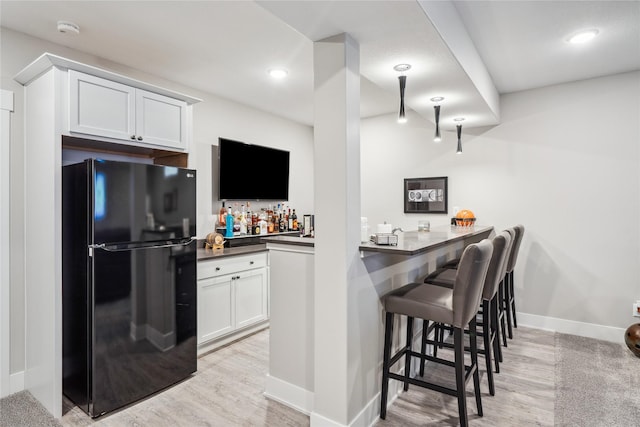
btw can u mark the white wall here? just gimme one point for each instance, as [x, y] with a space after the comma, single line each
[564, 162]
[214, 117]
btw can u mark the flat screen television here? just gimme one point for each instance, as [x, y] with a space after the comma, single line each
[252, 172]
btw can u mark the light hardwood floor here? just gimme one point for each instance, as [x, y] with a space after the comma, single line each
[227, 391]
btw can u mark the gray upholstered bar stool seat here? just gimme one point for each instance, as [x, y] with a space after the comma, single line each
[445, 277]
[456, 307]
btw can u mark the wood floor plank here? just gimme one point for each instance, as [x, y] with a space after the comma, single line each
[227, 390]
[525, 390]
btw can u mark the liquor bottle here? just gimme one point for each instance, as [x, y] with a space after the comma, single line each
[243, 222]
[294, 221]
[283, 226]
[255, 227]
[289, 220]
[221, 216]
[263, 225]
[270, 224]
[248, 218]
[236, 221]
[229, 224]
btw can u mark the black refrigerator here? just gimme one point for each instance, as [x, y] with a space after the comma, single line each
[128, 281]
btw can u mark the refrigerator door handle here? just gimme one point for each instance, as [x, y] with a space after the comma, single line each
[114, 248]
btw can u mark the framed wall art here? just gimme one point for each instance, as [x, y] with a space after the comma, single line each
[426, 195]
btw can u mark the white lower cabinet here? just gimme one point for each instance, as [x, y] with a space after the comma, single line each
[215, 316]
[233, 294]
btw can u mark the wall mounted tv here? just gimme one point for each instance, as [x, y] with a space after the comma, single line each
[252, 172]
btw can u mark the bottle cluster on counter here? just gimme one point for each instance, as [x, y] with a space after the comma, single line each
[238, 220]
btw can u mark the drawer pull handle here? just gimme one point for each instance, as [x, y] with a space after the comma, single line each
[250, 262]
[217, 268]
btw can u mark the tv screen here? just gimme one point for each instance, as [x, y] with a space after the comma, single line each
[252, 172]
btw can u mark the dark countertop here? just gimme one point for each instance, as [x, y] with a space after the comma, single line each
[409, 242]
[241, 245]
[414, 242]
[204, 254]
[290, 240]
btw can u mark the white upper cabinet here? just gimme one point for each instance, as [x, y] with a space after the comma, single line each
[101, 107]
[104, 108]
[160, 120]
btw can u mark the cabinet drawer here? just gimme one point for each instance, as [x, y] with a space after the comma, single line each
[233, 264]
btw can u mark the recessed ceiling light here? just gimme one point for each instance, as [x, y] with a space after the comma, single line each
[278, 73]
[402, 67]
[68, 27]
[583, 36]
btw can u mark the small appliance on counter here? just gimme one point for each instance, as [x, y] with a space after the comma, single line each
[385, 239]
[307, 226]
[385, 235]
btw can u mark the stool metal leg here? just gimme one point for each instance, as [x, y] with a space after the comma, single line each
[486, 336]
[437, 333]
[458, 343]
[407, 354]
[423, 347]
[388, 330]
[507, 304]
[495, 326]
[501, 309]
[513, 300]
[473, 334]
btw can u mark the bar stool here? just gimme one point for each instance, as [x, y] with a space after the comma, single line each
[509, 301]
[456, 307]
[445, 277]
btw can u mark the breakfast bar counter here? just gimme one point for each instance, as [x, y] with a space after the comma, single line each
[414, 242]
[378, 270]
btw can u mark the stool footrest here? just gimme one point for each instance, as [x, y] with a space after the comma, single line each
[420, 383]
[469, 369]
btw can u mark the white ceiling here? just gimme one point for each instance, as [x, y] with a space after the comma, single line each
[226, 47]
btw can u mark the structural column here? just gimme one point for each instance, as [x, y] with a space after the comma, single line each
[337, 221]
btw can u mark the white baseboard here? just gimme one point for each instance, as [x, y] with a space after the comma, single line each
[16, 382]
[289, 394]
[369, 415]
[317, 420]
[209, 346]
[589, 330]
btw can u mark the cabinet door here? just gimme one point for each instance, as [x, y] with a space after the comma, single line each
[160, 120]
[101, 107]
[215, 316]
[250, 297]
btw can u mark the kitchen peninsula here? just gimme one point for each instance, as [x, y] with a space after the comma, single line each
[292, 324]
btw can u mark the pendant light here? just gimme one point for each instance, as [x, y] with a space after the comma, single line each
[436, 109]
[459, 130]
[403, 81]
